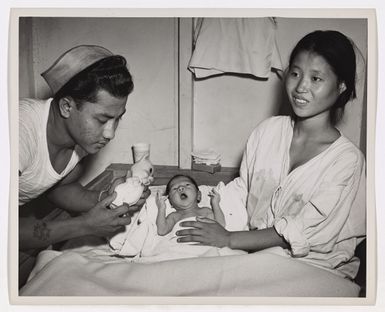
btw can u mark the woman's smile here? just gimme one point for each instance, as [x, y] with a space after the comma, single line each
[300, 101]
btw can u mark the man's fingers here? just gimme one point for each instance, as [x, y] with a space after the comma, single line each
[124, 220]
[121, 210]
[108, 200]
[146, 193]
[134, 208]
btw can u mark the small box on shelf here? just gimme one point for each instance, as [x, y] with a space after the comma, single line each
[206, 168]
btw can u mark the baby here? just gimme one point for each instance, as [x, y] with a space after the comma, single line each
[184, 196]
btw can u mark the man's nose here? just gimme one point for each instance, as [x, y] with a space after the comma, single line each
[109, 130]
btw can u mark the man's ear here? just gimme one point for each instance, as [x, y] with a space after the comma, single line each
[342, 87]
[199, 196]
[66, 104]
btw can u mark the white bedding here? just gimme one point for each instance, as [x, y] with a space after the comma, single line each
[264, 274]
[89, 267]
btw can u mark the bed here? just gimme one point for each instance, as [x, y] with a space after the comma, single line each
[85, 267]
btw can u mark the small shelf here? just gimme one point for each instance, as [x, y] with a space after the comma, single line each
[162, 174]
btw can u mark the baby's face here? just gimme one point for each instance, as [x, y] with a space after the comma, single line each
[183, 193]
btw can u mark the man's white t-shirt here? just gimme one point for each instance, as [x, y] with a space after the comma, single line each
[37, 174]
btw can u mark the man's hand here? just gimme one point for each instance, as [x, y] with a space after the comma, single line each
[102, 221]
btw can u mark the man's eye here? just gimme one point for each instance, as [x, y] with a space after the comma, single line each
[316, 79]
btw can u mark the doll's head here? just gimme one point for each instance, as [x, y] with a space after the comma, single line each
[144, 170]
[183, 192]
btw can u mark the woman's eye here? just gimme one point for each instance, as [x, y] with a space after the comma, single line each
[294, 74]
[316, 79]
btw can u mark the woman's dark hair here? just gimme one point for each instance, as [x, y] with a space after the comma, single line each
[180, 176]
[109, 74]
[338, 51]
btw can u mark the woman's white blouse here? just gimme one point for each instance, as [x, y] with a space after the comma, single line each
[319, 207]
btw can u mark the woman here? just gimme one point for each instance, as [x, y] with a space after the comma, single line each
[299, 175]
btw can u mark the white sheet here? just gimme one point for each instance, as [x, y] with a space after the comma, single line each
[264, 273]
[90, 268]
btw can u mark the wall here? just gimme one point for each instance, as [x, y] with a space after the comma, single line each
[149, 45]
[227, 108]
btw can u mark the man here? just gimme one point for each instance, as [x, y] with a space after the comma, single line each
[90, 87]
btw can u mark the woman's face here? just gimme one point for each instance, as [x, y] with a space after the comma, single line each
[183, 194]
[312, 86]
[93, 125]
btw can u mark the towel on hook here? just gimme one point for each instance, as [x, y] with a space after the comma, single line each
[235, 45]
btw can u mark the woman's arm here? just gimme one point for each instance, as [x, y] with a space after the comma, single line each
[257, 240]
[209, 232]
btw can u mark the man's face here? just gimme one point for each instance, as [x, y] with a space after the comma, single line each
[94, 124]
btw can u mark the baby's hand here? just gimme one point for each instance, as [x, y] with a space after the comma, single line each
[215, 197]
[160, 201]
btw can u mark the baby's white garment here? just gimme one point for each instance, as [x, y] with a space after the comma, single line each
[235, 45]
[167, 248]
[37, 173]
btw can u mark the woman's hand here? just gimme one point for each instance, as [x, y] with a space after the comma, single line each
[204, 232]
[103, 221]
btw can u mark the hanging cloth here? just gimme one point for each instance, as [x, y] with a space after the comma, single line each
[235, 45]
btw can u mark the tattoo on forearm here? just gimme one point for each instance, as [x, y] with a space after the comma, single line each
[41, 231]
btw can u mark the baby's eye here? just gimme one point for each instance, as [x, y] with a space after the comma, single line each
[316, 79]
